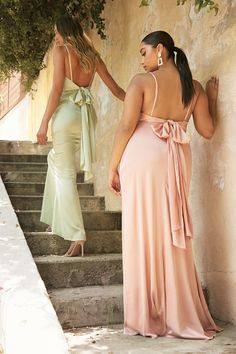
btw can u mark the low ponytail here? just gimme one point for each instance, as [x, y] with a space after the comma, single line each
[181, 61]
[186, 79]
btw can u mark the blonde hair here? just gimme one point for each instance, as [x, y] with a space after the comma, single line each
[73, 34]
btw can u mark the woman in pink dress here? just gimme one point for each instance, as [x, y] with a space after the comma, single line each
[151, 168]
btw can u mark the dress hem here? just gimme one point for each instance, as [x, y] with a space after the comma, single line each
[62, 236]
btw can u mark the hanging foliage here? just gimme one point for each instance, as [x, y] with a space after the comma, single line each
[200, 4]
[27, 29]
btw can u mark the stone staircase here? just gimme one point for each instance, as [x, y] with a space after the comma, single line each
[85, 291]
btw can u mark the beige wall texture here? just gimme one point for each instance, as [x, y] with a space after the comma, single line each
[209, 42]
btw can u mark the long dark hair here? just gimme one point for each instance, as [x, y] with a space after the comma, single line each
[167, 41]
[70, 29]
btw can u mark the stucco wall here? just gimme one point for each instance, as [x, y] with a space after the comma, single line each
[209, 42]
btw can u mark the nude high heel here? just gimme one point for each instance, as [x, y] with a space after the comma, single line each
[75, 251]
[82, 248]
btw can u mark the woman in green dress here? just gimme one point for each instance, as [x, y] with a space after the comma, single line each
[70, 106]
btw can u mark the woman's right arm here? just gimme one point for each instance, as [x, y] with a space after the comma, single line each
[109, 81]
[205, 110]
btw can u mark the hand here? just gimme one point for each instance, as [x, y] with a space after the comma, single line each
[42, 134]
[212, 87]
[114, 182]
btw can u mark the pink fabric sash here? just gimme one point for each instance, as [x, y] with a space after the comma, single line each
[175, 135]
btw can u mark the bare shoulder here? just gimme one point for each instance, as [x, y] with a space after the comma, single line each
[59, 51]
[140, 79]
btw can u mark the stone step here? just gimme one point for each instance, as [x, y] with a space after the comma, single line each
[33, 188]
[34, 202]
[93, 220]
[22, 158]
[23, 176]
[23, 166]
[24, 147]
[71, 272]
[88, 306]
[45, 243]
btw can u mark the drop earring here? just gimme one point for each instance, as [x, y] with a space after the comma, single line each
[159, 59]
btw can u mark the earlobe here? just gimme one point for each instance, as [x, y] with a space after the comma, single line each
[160, 48]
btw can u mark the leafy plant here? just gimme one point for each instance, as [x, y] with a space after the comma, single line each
[27, 30]
[144, 3]
[200, 4]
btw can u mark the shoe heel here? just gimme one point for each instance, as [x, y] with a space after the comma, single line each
[82, 249]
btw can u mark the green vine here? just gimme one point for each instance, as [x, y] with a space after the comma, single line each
[144, 3]
[200, 4]
[27, 29]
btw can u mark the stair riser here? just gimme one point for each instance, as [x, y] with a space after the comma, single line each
[23, 158]
[25, 147]
[35, 203]
[92, 221]
[96, 244]
[37, 189]
[41, 167]
[89, 312]
[77, 274]
[38, 177]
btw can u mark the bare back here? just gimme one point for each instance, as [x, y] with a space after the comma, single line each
[73, 69]
[162, 96]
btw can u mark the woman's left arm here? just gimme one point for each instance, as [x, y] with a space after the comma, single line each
[54, 97]
[126, 127]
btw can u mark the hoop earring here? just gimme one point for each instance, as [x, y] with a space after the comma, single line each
[159, 59]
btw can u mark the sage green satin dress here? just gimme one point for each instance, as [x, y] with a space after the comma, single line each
[73, 128]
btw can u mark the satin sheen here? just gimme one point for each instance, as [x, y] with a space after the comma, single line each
[162, 291]
[73, 128]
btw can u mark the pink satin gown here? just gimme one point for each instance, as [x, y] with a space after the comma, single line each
[162, 292]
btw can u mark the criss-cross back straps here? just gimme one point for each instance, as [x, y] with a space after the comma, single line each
[71, 76]
[156, 93]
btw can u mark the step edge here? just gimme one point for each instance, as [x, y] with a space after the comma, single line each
[54, 259]
[91, 288]
[36, 233]
[107, 212]
[41, 196]
[41, 183]
[22, 163]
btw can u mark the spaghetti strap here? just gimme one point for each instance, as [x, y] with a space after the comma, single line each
[156, 93]
[186, 116]
[91, 80]
[71, 76]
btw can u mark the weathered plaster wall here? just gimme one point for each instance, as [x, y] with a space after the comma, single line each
[209, 42]
[41, 91]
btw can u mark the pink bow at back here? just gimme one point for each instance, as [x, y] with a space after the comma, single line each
[181, 223]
